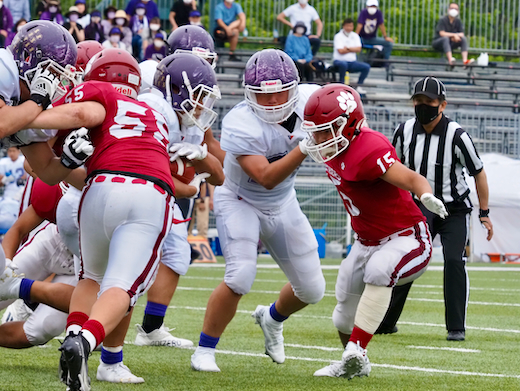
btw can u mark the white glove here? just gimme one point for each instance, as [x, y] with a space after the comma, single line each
[190, 151]
[8, 178]
[196, 181]
[77, 148]
[433, 204]
[43, 87]
[303, 145]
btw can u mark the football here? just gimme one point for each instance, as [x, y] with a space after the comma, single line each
[182, 169]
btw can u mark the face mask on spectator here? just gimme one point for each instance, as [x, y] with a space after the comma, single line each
[453, 12]
[158, 43]
[230, 1]
[96, 19]
[115, 38]
[1, 4]
[347, 34]
[73, 18]
[111, 15]
[372, 10]
[303, 2]
[299, 30]
[53, 9]
[140, 11]
[187, 1]
[120, 21]
[155, 27]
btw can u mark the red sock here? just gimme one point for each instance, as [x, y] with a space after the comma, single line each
[77, 318]
[96, 329]
[360, 336]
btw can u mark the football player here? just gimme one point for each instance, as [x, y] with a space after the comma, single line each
[189, 114]
[128, 198]
[257, 201]
[393, 244]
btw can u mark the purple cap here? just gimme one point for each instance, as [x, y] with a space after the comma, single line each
[194, 14]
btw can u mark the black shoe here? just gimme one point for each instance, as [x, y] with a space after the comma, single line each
[75, 352]
[393, 330]
[456, 336]
[234, 58]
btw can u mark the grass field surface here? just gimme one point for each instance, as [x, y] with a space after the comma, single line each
[418, 357]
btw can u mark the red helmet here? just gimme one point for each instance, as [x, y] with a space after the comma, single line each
[117, 67]
[335, 108]
[86, 50]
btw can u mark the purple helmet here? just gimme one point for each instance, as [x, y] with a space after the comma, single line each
[42, 44]
[271, 71]
[193, 39]
[190, 85]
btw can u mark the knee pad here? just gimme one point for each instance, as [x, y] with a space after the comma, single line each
[45, 324]
[241, 278]
[313, 291]
[343, 318]
[240, 258]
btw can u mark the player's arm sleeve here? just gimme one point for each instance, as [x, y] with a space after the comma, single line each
[467, 153]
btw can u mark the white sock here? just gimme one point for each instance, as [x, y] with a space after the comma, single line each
[90, 338]
[75, 328]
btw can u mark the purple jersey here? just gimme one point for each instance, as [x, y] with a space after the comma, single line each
[370, 23]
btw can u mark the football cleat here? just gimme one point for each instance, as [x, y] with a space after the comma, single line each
[204, 360]
[16, 312]
[73, 362]
[10, 284]
[273, 333]
[116, 373]
[160, 337]
[335, 369]
[355, 361]
[456, 335]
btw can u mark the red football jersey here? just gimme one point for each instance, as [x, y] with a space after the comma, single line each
[378, 209]
[45, 198]
[133, 138]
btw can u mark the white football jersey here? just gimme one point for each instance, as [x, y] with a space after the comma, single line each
[9, 78]
[14, 169]
[154, 98]
[243, 133]
[192, 135]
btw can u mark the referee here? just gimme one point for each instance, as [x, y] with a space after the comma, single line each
[438, 148]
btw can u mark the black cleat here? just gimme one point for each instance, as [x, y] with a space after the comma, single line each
[393, 330]
[456, 335]
[73, 362]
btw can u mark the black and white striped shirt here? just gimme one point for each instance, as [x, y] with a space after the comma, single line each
[439, 156]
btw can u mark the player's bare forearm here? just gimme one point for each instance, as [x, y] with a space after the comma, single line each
[44, 163]
[27, 221]
[214, 146]
[269, 175]
[77, 178]
[71, 116]
[183, 190]
[15, 118]
[401, 176]
[211, 165]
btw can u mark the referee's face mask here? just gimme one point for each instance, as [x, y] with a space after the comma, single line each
[426, 110]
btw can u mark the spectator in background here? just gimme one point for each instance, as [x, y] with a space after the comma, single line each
[121, 20]
[12, 177]
[17, 26]
[298, 47]
[53, 12]
[180, 12]
[6, 24]
[74, 28]
[140, 29]
[369, 20]
[346, 44]
[94, 31]
[307, 14]
[195, 19]
[84, 16]
[203, 204]
[228, 26]
[449, 35]
[115, 39]
[42, 6]
[20, 9]
[155, 28]
[151, 8]
[108, 22]
[157, 50]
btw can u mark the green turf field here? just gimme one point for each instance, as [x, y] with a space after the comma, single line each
[418, 357]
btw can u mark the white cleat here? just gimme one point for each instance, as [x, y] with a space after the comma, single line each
[204, 360]
[333, 370]
[160, 337]
[116, 373]
[273, 333]
[355, 361]
[10, 284]
[16, 312]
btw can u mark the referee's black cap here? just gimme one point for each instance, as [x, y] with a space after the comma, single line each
[430, 86]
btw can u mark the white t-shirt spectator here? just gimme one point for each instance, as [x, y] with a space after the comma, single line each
[15, 171]
[341, 40]
[307, 15]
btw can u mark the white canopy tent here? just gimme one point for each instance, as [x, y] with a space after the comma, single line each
[503, 176]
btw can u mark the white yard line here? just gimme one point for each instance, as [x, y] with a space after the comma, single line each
[444, 348]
